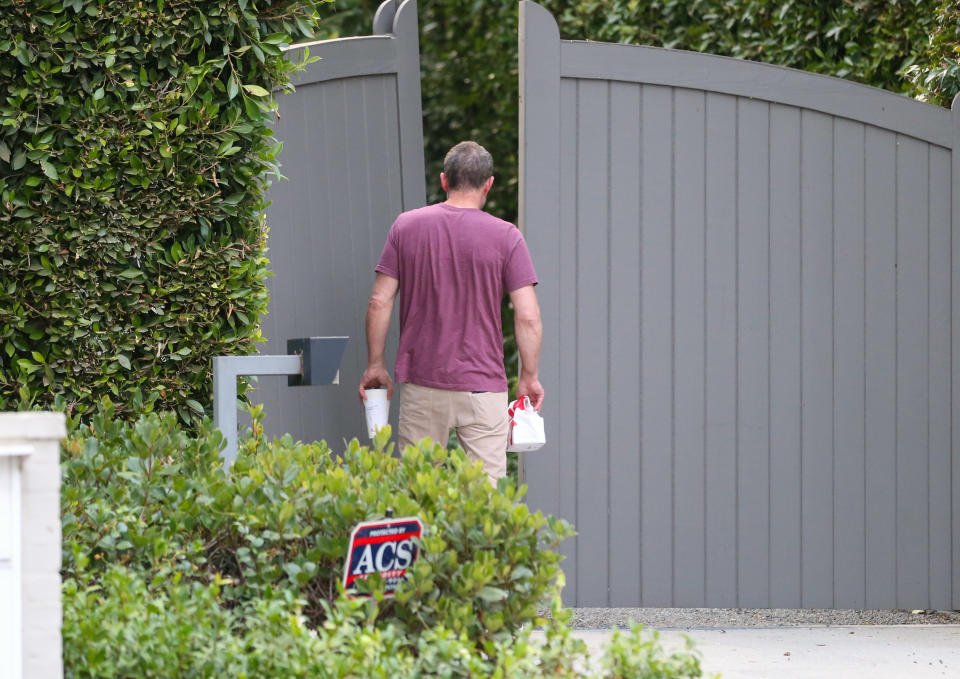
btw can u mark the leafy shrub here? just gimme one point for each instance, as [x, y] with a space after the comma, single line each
[134, 153]
[125, 628]
[937, 76]
[175, 567]
[637, 653]
[150, 497]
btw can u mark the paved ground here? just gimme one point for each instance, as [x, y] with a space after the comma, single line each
[816, 652]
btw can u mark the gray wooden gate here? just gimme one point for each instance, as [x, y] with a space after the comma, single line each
[353, 155]
[749, 283]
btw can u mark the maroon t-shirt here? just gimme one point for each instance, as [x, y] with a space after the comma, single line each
[454, 265]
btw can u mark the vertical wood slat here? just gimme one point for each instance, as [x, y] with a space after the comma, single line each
[656, 340]
[355, 197]
[690, 348]
[314, 207]
[880, 361]
[848, 361]
[753, 351]
[569, 423]
[721, 355]
[816, 251]
[785, 352]
[955, 350]
[912, 379]
[938, 398]
[624, 332]
[592, 361]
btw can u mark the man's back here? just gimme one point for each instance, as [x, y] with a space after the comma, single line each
[454, 265]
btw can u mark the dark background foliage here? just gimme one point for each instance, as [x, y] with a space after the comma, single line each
[936, 76]
[134, 150]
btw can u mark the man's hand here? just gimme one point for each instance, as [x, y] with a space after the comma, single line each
[375, 377]
[529, 385]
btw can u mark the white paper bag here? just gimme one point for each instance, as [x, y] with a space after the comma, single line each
[526, 427]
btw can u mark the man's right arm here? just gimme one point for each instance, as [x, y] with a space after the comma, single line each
[529, 331]
[378, 323]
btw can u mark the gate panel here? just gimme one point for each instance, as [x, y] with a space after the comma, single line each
[747, 294]
[353, 158]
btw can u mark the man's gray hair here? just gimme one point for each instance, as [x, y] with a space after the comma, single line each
[467, 165]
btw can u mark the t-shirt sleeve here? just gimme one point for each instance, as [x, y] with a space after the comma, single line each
[390, 257]
[518, 270]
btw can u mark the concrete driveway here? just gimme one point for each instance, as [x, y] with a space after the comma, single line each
[828, 652]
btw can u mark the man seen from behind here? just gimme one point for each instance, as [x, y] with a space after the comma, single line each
[450, 264]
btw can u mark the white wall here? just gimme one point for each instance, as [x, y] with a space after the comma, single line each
[30, 612]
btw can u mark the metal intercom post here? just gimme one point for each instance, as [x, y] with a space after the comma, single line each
[310, 361]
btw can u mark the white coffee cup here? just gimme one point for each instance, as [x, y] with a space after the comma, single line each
[377, 408]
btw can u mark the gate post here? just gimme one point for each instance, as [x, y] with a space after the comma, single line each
[539, 220]
[955, 353]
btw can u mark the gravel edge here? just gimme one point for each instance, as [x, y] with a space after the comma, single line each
[690, 618]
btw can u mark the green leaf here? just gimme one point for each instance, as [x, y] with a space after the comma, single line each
[49, 169]
[194, 406]
[4, 152]
[131, 273]
[19, 160]
[491, 594]
[98, 94]
[232, 88]
[123, 360]
[256, 90]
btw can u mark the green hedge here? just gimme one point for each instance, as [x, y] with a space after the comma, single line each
[872, 42]
[174, 567]
[134, 153]
[153, 498]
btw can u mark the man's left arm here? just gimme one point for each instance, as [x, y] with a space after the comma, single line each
[379, 308]
[529, 332]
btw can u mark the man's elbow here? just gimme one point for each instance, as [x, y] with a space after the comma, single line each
[379, 304]
[527, 318]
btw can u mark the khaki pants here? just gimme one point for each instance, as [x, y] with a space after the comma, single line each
[480, 419]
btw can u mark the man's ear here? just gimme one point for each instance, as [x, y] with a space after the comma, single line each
[487, 184]
[444, 184]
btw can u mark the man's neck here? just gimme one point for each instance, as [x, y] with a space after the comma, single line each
[474, 199]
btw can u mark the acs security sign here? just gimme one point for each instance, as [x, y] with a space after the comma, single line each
[385, 546]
